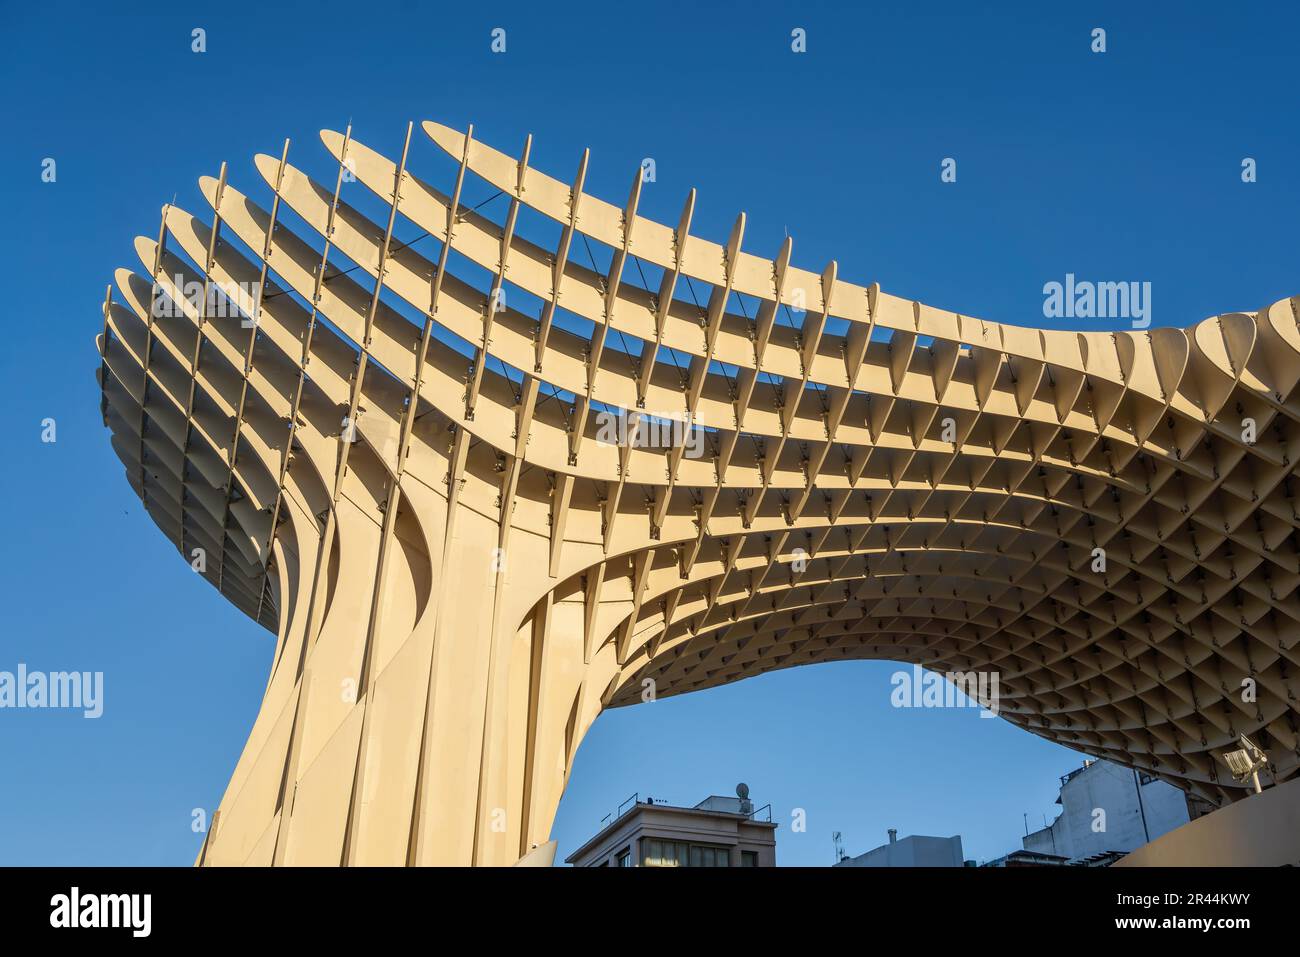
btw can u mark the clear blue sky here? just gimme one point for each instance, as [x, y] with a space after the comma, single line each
[1117, 166]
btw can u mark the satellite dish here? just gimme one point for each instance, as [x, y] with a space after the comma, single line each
[742, 790]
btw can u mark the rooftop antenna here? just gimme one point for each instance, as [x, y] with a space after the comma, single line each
[840, 855]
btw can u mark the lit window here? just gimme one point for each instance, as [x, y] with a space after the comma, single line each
[656, 853]
[664, 853]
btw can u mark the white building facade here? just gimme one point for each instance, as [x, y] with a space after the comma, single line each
[1106, 807]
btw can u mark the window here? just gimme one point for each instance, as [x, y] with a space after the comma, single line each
[625, 857]
[749, 858]
[704, 856]
[657, 853]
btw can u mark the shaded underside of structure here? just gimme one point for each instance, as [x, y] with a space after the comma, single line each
[383, 441]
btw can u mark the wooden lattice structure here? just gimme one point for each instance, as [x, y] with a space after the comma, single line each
[397, 469]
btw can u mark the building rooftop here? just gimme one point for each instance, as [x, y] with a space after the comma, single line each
[915, 850]
[715, 805]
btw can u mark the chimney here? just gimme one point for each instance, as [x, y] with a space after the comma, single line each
[893, 835]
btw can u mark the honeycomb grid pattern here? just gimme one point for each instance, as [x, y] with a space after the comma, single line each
[388, 453]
